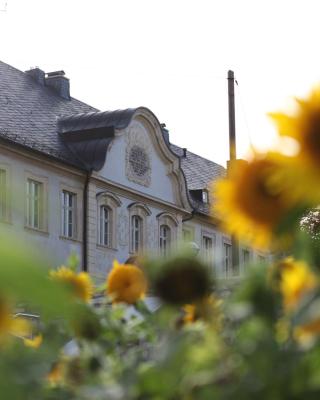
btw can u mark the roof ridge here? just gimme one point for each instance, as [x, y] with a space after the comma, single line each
[12, 67]
[197, 155]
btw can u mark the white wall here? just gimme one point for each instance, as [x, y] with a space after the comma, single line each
[115, 168]
[47, 242]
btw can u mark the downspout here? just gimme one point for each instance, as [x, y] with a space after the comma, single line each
[84, 224]
[190, 216]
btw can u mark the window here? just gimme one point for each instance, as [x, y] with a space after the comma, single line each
[136, 233]
[68, 214]
[227, 259]
[107, 214]
[165, 239]
[34, 204]
[245, 256]
[207, 246]
[205, 196]
[3, 194]
[187, 234]
[139, 238]
[105, 218]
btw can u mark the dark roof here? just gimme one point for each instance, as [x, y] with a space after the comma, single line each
[88, 135]
[37, 117]
[28, 113]
[200, 173]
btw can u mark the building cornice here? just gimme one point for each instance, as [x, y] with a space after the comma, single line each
[39, 157]
[135, 195]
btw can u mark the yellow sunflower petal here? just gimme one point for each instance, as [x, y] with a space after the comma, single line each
[34, 343]
[297, 280]
[286, 124]
[126, 283]
[254, 198]
[80, 284]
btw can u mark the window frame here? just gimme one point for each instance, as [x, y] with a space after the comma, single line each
[164, 239]
[136, 234]
[244, 252]
[142, 211]
[188, 230]
[43, 202]
[68, 210]
[170, 221]
[5, 216]
[227, 259]
[105, 225]
[78, 211]
[112, 203]
[208, 256]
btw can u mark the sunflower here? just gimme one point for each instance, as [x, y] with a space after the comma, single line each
[126, 283]
[55, 376]
[206, 309]
[80, 284]
[5, 318]
[254, 198]
[308, 332]
[304, 127]
[9, 325]
[296, 281]
[182, 280]
[34, 342]
[190, 315]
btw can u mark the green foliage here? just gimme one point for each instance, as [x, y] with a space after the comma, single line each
[244, 347]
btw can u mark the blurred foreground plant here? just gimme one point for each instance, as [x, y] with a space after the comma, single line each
[259, 341]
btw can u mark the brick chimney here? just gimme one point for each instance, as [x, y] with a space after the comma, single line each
[58, 82]
[37, 74]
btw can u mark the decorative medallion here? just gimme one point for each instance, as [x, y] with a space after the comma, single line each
[138, 166]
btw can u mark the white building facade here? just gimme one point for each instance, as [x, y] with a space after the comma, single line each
[106, 185]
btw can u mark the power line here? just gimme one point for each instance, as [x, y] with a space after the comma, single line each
[244, 113]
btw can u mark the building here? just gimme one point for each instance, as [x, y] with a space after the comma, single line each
[104, 184]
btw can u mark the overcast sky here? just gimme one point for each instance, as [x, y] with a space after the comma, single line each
[172, 56]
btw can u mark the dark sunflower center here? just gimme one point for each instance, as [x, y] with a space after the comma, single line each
[312, 137]
[260, 197]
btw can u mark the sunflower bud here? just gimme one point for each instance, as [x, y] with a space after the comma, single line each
[182, 280]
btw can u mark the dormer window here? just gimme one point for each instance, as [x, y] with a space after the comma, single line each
[200, 195]
[205, 196]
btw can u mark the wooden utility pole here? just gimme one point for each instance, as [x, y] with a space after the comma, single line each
[233, 156]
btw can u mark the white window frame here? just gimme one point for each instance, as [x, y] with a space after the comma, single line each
[208, 253]
[68, 214]
[105, 221]
[167, 244]
[34, 203]
[227, 259]
[41, 208]
[136, 233]
[187, 231]
[164, 239]
[5, 193]
[143, 212]
[111, 202]
[245, 253]
[205, 196]
[77, 212]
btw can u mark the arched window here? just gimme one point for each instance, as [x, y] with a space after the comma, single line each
[167, 231]
[105, 227]
[164, 239]
[138, 213]
[107, 219]
[136, 233]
